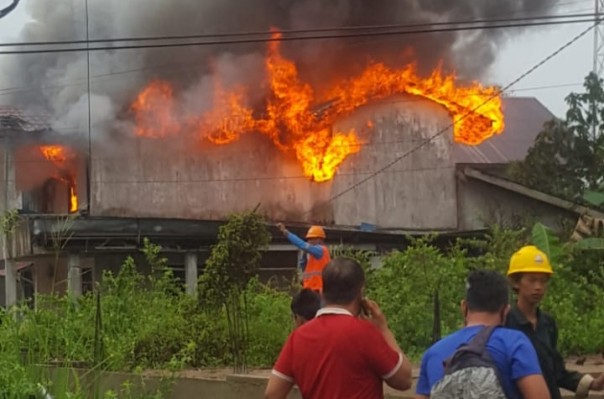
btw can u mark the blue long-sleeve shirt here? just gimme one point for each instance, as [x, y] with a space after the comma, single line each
[316, 251]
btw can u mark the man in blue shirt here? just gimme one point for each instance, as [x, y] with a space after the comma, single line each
[316, 255]
[486, 303]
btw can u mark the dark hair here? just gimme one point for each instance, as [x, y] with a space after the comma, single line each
[486, 291]
[306, 303]
[343, 279]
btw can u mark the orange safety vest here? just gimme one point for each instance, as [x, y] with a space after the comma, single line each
[311, 278]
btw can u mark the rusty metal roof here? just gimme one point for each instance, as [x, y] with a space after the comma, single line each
[524, 119]
[12, 118]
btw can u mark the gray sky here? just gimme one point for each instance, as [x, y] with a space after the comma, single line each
[516, 56]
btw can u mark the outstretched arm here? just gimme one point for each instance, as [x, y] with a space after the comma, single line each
[315, 250]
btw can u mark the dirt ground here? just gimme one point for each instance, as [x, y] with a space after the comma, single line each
[589, 364]
[593, 364]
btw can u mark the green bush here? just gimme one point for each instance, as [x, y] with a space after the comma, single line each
[139, 322]
[270, 322]
[410, 285]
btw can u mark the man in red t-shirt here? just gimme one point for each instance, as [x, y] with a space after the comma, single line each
[339, 355]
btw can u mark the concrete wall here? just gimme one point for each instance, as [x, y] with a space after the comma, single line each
[417, 192]
[177, 179]
[482, 205]
[10, 198]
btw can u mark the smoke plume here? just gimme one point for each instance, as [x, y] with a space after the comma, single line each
[57, 82]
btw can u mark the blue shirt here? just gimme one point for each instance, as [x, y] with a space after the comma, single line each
[316, 251]
[511, 351]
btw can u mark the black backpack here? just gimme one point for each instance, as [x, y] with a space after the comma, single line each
[470, 373]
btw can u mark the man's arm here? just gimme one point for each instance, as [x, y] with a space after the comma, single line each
[281, 380]
[570, 380]
[422, 390]
[533, 387]
[315, 250]
[525, 369]
[400, 376]
[277, 388]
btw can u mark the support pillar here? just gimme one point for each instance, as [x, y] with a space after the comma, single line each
[74, 275]
[191, 273]
[10, 282]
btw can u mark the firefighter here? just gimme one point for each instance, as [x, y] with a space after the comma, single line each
[315, 258]
[529, 273]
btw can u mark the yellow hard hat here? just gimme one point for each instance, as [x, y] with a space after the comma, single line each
[529, 259]
[315, 232]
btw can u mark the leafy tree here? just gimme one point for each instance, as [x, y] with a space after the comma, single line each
[567, 159]
[232, 264]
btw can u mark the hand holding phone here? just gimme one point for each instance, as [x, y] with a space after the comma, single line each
[374, 313]
[365, 312]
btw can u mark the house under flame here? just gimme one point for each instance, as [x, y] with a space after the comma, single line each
[90, 212]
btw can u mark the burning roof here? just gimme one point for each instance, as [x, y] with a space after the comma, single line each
[289, 117]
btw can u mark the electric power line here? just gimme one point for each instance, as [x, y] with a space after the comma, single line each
[302, 38]
[7, 10]
[441, 132]
[12, 90]
[546, 87]
[302, 31]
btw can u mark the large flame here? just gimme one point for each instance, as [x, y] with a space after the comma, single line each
[59, 156]
[155, 111]
[291, 121]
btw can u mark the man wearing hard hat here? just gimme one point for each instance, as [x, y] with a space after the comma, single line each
[529, 273]
[316, 255]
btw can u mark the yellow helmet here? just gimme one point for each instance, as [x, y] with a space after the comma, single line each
[315, 232]
[529, 259]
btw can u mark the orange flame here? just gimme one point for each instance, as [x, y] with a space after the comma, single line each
[476, 110]
[154, 111]
[73, 199]
[291, 121]
[54, 153]
[229, 117]
[59, 155]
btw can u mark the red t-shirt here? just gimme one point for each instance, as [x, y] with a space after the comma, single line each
[337, 356]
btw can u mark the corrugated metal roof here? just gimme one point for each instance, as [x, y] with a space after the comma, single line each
[12, 118]
[524, 119]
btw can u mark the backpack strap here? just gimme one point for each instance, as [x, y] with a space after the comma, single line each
[482, 337]
[479, 342]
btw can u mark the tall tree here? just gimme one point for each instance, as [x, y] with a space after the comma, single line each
[567, 159]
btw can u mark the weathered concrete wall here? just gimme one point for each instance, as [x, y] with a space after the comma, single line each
[418, 191]
[482, 205]
[10, 198]
[177, 179]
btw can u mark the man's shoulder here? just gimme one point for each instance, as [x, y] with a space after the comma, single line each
[508, 335]
[447, 344]
[505, 335]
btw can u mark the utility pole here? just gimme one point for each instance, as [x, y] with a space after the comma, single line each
[598, 66]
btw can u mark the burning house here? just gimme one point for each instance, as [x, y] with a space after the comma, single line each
[373, 147]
